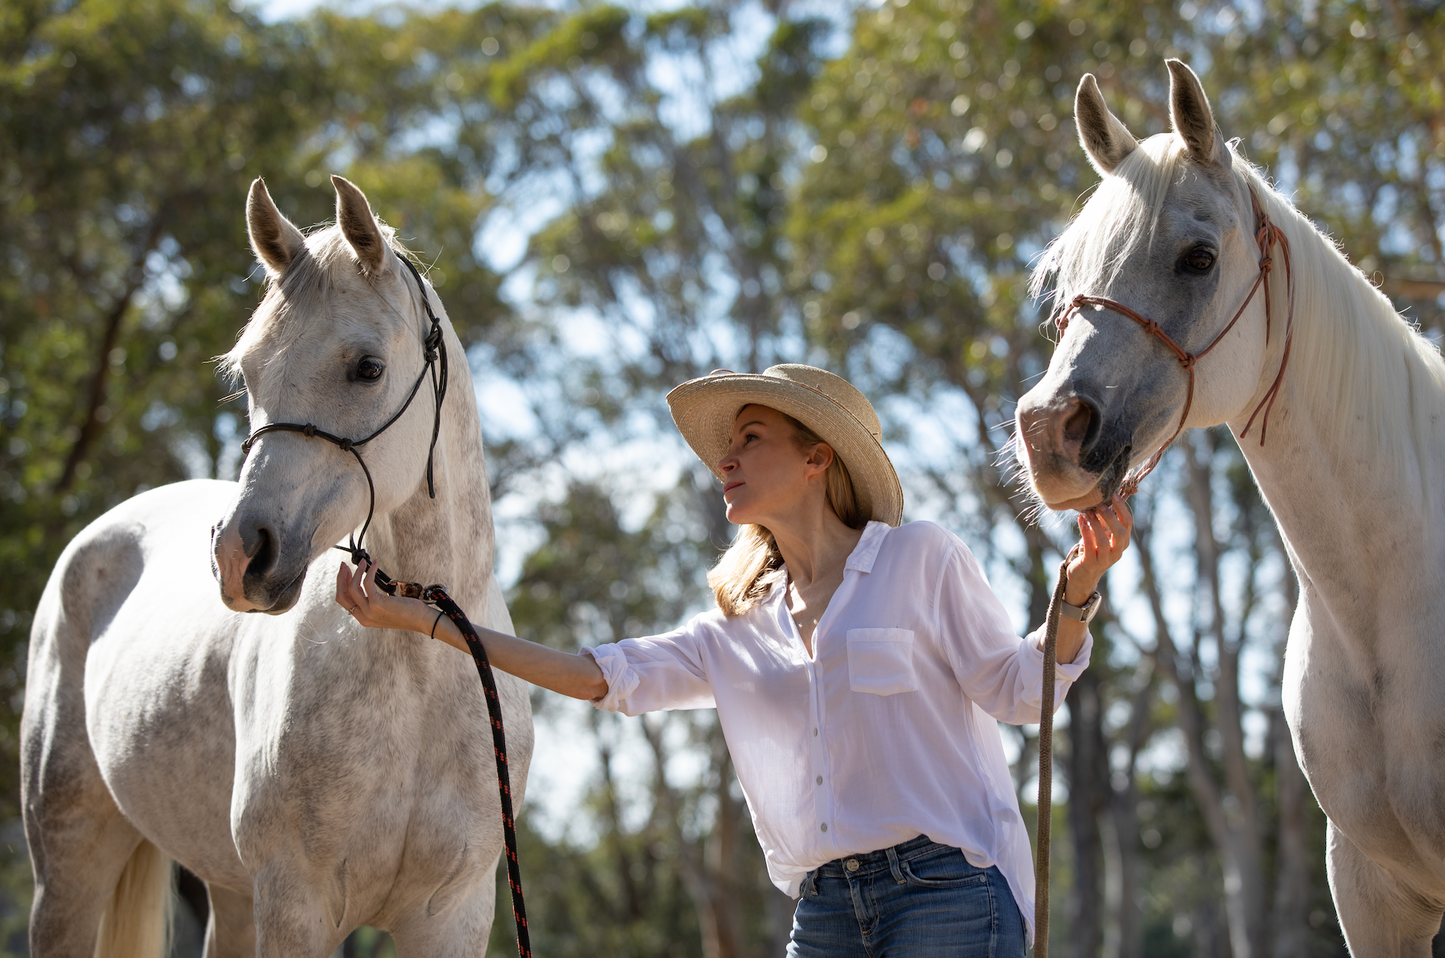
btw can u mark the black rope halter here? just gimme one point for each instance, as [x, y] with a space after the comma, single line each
[435, 353]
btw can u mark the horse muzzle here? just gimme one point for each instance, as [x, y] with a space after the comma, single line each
[251, 566]
[1072, 460]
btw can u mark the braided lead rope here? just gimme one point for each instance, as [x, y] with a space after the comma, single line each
[1046, 765]
[436, 595]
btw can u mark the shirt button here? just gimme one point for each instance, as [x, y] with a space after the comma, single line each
[825, 826]
[815, 732]
[820, 780]
[851, 864]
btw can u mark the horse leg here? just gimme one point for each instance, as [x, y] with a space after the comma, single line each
[78, 854]
[1379, 918]
[294, 917]
[459, 930]
[231, 930]
[80, 844]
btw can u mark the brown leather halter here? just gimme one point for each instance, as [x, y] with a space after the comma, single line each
[1266, 235]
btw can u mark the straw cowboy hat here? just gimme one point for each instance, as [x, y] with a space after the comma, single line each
[704, 410]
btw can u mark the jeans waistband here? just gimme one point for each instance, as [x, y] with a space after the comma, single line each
[884, 859]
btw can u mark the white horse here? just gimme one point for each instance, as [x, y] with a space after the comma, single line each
[316, 775]
[1352, 466]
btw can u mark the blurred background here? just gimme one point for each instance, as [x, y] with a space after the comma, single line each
[614, 199]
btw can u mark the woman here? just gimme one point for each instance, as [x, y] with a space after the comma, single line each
[853, 662]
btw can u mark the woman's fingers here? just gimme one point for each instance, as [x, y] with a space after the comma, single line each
[354, 588]
[1088, 534]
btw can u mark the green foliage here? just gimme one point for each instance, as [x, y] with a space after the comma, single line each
[871, 200]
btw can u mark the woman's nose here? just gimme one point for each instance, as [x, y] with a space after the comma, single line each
[727, 464]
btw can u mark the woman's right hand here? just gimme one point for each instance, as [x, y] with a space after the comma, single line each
[358, 594]
[571, 674]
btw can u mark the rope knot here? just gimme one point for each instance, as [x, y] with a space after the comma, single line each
[1150, 327]
[1188, 360]
[1266, 263]
[345, 445]
[309, 430]
[246, 445]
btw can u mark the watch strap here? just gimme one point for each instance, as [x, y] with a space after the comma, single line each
[1082, 613]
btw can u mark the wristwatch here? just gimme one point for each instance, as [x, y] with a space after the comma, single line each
[1082, 613]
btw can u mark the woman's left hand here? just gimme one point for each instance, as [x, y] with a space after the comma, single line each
[1103, 537]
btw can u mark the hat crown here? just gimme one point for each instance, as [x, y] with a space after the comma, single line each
[836, 388]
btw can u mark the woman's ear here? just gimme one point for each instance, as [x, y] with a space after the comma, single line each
[819, 459]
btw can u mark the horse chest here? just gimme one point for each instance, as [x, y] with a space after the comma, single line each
[1369, 728]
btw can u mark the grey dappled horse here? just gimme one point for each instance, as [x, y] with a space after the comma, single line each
[315, 774]
[1352, 466]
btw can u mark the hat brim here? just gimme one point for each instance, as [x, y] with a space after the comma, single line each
[704, 410]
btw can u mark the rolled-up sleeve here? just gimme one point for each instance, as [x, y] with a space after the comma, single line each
[657, 672]
[1002, 673]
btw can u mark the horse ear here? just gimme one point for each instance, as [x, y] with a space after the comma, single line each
[1192, 118]
[275, 239]
[358, 225]
[1104, 138]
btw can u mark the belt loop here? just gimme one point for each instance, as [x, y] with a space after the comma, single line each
[892, 852]
[810, 883]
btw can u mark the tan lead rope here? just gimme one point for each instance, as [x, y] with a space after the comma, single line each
[1046, 766]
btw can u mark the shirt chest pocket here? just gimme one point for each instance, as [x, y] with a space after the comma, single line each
[880, 661]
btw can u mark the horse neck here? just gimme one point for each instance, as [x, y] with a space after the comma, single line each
[1356, 430]
[449, 539]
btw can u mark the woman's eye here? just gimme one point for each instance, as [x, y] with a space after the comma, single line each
[1199, 259]
[370, 368]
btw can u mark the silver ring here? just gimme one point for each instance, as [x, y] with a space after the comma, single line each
[352, 610]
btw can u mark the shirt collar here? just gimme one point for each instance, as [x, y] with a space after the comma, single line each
[861, 559]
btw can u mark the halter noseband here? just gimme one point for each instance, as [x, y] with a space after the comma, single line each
[435, 353]
[1266, 235]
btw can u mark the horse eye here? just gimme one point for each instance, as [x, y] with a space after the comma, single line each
[370, 368]
[1199, 259]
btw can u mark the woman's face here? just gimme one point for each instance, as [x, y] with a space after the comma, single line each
[767, 478]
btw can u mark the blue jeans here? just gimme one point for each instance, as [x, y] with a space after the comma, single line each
[918, 898]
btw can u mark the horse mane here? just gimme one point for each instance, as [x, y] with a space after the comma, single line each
[300, 294]
[1349, 341]
[1352, 345]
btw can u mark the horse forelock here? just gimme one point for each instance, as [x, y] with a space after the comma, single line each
[300, 296]
[1119, 218]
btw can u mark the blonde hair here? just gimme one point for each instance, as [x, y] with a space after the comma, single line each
[747, 571]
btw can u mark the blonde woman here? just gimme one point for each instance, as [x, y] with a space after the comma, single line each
[857, 666]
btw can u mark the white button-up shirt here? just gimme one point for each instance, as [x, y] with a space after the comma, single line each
[885, 733]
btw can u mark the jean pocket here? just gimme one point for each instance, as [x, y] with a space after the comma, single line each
[880, 661]
[945, 869]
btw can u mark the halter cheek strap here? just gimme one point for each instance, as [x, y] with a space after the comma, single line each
[1266, 235]
[435, 353]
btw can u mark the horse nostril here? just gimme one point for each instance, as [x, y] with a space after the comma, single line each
[1082, 426]
[260, 547]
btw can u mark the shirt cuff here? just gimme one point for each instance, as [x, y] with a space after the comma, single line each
[620, 677]
[1065, 673]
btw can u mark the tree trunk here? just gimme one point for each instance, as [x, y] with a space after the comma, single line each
[1292, 882]
[1088, 769]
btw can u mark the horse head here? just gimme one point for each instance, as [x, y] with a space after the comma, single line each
[1169, 236]
[338, 343]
